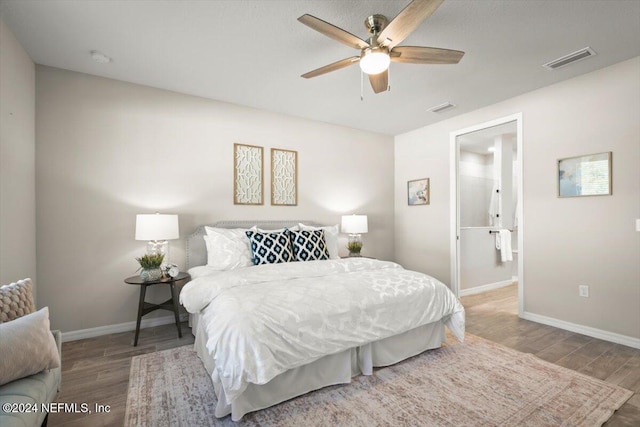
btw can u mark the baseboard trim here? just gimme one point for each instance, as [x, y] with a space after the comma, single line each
[120, 327]
[484, 288]
[584, 330]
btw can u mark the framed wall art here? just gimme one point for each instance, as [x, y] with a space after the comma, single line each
[248, 165]
[588, 175]
[418, 192]
[284, 177]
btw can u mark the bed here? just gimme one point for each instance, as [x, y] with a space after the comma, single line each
[268, 333]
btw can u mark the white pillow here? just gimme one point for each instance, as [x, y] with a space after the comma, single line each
[28, 347]
[227, 248]
[330, 237]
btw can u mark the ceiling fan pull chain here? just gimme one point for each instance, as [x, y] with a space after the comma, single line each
[361, 85]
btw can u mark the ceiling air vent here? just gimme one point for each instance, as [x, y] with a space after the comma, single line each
[578, 55]
[442, 107]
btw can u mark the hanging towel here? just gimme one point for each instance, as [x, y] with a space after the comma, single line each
[503, 244]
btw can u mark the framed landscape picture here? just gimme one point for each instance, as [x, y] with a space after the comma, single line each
[418, 192]
[588, 175]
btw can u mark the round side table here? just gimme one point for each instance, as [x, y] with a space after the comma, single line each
[146, 307]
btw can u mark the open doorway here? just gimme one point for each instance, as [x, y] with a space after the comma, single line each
[486, 193]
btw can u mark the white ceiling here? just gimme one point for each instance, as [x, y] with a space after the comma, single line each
[253, 52]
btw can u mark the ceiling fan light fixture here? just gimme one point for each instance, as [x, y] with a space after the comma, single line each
[374, 60]
[384, 38]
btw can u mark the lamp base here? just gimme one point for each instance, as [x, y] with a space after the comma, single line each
[159, 247]
[354, 245]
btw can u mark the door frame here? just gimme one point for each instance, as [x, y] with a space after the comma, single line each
[455, 202]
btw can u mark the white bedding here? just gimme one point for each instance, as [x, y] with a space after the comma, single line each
[264, 320]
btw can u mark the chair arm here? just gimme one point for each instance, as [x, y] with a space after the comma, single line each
[57, 335]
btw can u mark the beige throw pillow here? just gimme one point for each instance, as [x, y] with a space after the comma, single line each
[16, 300]
[27, 347]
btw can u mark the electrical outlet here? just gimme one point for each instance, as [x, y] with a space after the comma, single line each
[583, 290]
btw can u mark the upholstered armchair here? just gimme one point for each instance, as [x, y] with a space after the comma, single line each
[30, 355]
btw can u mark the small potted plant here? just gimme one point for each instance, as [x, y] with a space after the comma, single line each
[150, 266]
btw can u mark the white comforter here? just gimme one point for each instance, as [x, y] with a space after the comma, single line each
[264, 320]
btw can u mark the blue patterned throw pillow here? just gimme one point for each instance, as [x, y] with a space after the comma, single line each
[270, 248]
[309, 245]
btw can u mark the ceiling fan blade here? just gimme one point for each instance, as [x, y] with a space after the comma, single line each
[425, 55]
[332, 31]
[407, 21]
[379, 82]
[331, 67]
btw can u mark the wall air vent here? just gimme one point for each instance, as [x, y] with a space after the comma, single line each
[578, 55]
[442, 107]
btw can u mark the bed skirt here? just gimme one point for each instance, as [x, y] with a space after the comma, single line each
[334, 369]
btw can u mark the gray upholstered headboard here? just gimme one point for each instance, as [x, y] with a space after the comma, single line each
[197, 251]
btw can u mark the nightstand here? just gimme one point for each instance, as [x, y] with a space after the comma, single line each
[146, 307]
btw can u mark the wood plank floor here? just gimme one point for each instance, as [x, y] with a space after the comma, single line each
[96, 370]
[494, 315]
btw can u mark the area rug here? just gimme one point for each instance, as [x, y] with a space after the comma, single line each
[477, 383]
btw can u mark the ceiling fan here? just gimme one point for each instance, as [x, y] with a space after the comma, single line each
[381, 47]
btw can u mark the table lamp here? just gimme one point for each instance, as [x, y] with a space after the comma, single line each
[157, 229]
[355, 225]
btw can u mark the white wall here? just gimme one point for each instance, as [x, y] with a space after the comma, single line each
[17, 161]
[480, 263]
[567, 242]
[107, 150]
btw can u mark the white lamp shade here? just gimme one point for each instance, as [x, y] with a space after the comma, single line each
[157, 227]
[354, 224]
